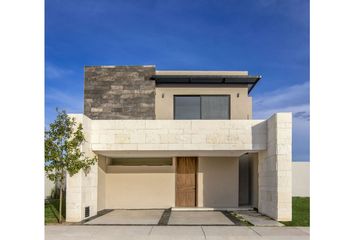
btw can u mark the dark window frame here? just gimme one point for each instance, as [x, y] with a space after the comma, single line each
[200, 104]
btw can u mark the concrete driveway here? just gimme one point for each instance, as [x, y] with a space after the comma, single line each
[164, 217]
[128, 217]
[164, 224]
[90, 232]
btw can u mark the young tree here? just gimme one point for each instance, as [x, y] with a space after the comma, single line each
[62, 152]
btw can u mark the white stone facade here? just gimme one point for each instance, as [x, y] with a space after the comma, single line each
[271, 139]
[275, 197]
[166, 135]
[81, 189]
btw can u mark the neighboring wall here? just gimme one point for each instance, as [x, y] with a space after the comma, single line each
[301, 179]
[218, 182]
[241, 105]
[49, 186]
[119, 92]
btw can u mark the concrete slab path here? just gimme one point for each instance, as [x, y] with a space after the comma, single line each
[258, 219]
[129, 217]
[87, 232]
[198, 218]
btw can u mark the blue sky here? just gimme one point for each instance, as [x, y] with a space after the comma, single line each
[265, 37]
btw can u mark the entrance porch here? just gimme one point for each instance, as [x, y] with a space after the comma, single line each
[217, 183]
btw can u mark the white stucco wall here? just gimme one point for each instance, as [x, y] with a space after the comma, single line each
[240, 101]
[301, 179]
[217, 182]
[101, 190]
[122, 187]
[139, 187]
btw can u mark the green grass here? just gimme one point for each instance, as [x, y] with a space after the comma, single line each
[301, 212]
[243, 221]
[51, 211]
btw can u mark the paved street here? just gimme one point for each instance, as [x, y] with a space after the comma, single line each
[86, 232]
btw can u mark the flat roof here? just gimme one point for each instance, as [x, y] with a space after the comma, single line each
[206, 77]
[204, 73]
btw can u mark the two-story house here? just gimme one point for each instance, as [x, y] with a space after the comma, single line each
[179, 139]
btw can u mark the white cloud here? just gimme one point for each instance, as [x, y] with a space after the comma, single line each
[53, 71]
[70, 102]
[299, 111]
[293, 99]
[64, 100]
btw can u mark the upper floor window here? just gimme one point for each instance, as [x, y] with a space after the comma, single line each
[202, 107]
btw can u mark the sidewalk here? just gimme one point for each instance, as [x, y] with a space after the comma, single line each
[65, 232]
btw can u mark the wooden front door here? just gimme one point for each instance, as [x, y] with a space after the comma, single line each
[186, 181]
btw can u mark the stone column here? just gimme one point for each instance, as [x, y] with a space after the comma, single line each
[81, 189]
[275, 193]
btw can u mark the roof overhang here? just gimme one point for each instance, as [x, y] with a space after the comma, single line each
[162, 153]
[209, 78]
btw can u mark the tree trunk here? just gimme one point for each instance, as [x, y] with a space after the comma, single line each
[60, 203]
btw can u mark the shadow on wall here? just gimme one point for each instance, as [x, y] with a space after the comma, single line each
[248, 180]
[244, 180]
[259, 136]
[220, 181]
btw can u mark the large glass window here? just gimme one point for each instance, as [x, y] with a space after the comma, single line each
[202, 107]
[187, 107]
[215, 107]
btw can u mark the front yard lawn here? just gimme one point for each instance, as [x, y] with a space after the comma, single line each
[301, 212]
[51, 210]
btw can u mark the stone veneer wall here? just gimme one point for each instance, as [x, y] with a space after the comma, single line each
[119, 92]
[275, 168]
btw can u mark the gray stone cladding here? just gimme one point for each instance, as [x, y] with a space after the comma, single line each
[119, 92]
